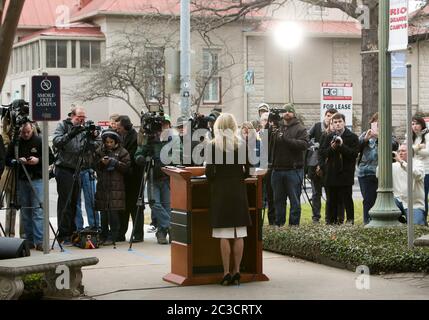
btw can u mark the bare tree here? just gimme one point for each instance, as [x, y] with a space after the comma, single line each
[227, 11]
[137, 66]
[8, 24]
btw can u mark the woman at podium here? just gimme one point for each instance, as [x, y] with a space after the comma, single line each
[226, 169]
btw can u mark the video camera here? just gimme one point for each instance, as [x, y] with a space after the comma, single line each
[151, 122]
[274, 115]
[90, 127]
[200, 121]
[17, 112]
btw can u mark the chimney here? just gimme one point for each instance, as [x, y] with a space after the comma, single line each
[83, 3]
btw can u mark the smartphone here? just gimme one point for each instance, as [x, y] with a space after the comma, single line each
[374, 127]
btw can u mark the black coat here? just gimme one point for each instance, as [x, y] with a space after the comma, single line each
[338, 165]
[110, 194]
[228, 193]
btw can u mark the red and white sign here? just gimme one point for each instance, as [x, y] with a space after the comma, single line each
[338, 96]
[104, 124]
[398, 25]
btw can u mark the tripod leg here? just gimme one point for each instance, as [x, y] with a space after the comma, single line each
[1, 227]
[140, 202]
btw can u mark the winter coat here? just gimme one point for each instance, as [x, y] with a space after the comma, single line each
[228, 193]
[110, 194]
[70, 148]
[422, 154]
[338, 165]
[288, 145]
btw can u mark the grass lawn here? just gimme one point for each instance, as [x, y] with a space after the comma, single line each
[306, 213]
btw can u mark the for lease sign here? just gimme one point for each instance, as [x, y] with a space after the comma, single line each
[338, 96]
[398, 25]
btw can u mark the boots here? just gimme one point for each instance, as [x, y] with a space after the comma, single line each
[161, 236]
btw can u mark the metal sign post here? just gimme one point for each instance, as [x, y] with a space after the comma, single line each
[46, 106]
[410, 218]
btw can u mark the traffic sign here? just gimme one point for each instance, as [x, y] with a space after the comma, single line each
[46, 98]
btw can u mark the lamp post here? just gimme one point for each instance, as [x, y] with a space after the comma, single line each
[289, 36]
[384, 213]
[185, 58]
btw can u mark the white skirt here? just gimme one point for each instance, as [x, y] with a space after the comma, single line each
[230, 233]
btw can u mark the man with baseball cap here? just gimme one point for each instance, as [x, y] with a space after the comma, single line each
[288, 144]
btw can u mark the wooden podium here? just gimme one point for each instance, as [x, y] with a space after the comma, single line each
[195, 254]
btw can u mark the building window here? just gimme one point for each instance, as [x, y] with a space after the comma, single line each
[211, 78]
[35, 55]
[56, 54]
[73, 52]
[23, 92]
[90, 54]
[154, 65]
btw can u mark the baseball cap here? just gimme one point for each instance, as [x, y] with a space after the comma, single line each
[289, 107]
[263, 107]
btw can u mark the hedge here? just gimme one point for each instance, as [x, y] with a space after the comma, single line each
[33, 287]
[383, 250]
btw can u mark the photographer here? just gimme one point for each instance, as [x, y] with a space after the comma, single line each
[72, 140]
[158, 182]
[312, 158]
[30, 155]
[288, 144]
[337, 156]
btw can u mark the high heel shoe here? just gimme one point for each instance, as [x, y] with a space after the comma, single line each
[226, 280]
[235, 279]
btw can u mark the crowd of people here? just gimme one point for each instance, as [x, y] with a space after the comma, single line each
[109, 165]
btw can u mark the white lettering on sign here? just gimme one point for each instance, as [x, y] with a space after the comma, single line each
[46, 100]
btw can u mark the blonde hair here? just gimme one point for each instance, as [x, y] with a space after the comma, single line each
[226, 135]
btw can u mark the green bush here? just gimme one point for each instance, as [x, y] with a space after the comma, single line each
[33, 286]
[383, 250]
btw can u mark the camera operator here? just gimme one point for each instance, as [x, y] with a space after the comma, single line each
[70, 137]
[312, 162]
[288, 145]
[30, 155]
[125, 129]
[337, 154]
[158, 182]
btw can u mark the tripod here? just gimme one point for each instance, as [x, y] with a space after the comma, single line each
[76, 179]
[14, 173]
[147, 172]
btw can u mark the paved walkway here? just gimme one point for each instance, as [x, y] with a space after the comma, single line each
[137, 274]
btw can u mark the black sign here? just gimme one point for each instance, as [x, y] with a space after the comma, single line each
[46, 102]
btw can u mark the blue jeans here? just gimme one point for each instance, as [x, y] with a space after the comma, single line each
[287, 184]
[418, 214]
[159, 196]
[368, 188]
[31, 213]
[88, 187]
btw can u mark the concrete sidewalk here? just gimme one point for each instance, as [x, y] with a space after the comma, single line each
[139, 274]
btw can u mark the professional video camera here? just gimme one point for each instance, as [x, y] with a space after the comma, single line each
[90, 127]
[17, 112]
[274, 115]
[151, 122]
[200, 121]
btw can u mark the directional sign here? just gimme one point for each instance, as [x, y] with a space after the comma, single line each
[46, 100]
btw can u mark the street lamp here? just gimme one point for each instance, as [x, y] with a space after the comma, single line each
[289, 35]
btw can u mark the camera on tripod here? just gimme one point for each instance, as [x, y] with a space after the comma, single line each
[151, 123]
[274, 115]
[89, 127]
[200, 121]
[17, 112]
